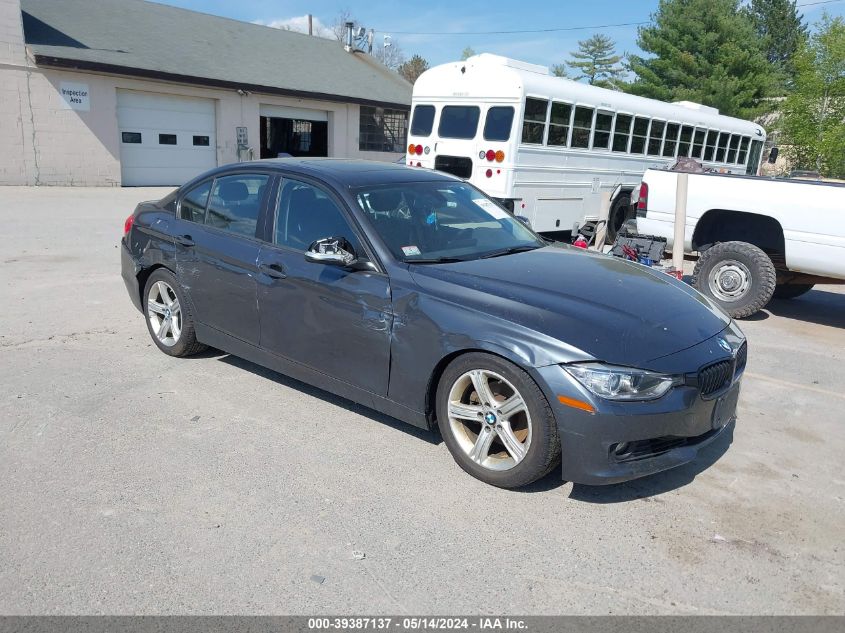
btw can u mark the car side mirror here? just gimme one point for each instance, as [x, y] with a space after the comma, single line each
[524, 220]
[773, 156]
[331, 251]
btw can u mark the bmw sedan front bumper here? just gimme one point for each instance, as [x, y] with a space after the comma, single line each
[619, 441]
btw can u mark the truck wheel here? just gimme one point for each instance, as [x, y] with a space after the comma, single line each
[790, 291]
[738, 276]
[616, 218]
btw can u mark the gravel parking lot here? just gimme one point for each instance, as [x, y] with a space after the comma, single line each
[132, 482]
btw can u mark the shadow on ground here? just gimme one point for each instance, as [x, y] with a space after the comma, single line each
[817, 306]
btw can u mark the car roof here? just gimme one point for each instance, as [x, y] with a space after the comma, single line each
[344, 172]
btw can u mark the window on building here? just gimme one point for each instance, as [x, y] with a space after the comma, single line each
[534, 121]
[655, 137]
[698, 143]
[234, 203]
[582, 124]
[559, 124]
[130, 137]
[640, 135]
[382, 130]
[686, 141]
[671, 142]
[710, 148]
[604, 125]
[167, 139]
[732, 149]
[422, 120]
[722, 147]
[743, 150]
[498, 124]
[459, 122]
[194, 202]
[622, 132]
[201, 141]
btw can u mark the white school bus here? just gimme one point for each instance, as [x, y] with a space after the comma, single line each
[547, 147]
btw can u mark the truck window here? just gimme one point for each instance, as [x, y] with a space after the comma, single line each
[686, 140]
[743, 150]
[722, 147]
[655, 137]
[497, 126]
[459, 122]
[604, 124]
[534, 121]
[671, 143]
[733, 149]
[559, 124]
[622, 132]
[710, 150]
[581, 126]
[698, 143]
[640, 135]
[422, 120]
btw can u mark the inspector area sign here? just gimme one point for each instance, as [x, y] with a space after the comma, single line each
[76, 96]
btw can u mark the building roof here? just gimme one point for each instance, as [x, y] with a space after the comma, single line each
[146, 39]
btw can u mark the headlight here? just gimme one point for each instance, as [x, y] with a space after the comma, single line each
[622, 383]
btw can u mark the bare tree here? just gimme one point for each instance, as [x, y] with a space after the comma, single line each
[338, 27]
[389, 53]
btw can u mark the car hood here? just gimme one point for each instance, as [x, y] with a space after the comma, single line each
[613, 310]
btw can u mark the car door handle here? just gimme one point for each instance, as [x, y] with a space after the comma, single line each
[274, 270]
[185, 240]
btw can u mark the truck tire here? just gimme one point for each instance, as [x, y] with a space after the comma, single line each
[620, 212]
[791, 291]
[737, 276]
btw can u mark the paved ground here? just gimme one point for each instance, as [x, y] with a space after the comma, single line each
[131, 482]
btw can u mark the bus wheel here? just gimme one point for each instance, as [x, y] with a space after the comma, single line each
[619, 212]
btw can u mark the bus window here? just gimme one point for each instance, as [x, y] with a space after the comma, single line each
[671, 139]
[698, 143]
[686, 139]
[498, 125]
[712, 135]
[733, 147]
[655, 137]
[604, 124]
[754, 158]
[581, 126]
[459, 121]
[559, 123]
[534, 125]
[743, 150]
[722, 147]
[622, 132]
[422, 121]
[638, 139]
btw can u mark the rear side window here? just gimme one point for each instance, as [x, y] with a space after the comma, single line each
[686, 139]
[582, 125]
[733, 148]
[601, 137]
[422, 120]
[722, 147]
[559, 123]
[671, 142]
[497, 126]
[638, 139]
[534, 126]
[743, 150]
[193, 203]
[710, 148]
[655, 137]
[698, 144]
[235, 202]
[459, 122]
[622, 132]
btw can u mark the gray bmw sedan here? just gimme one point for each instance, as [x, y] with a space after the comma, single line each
[413, 293]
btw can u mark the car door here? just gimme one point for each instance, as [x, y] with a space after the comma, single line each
[332, 319]
[217, 251]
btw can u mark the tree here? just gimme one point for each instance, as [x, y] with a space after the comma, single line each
[705, 51]
[413, 68]
[779, 25]
[389, 53]
[338, 27]
[467, 53]
[598, 63]
[559, 70]
[812, 123]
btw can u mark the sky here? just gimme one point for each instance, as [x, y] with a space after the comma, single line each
[408, 22]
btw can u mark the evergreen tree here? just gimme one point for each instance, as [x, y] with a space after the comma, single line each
[467, 53]
[780, 26]
[559, 70]
[598, 63]
[705, 51]
[413, 68]
[812, 123]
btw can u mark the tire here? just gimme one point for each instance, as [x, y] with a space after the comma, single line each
[739, 277]
[165, 302]
[501, 447]
[620, 212]
[791, 291]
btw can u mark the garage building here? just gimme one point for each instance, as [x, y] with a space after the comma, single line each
[128, 92]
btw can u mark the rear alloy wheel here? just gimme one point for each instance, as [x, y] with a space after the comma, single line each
[496, 422]
[738, 276]
[168, 316]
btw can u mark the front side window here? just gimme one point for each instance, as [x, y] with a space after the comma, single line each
[459, 122]
[194, 202]
[306, 213]
[685, 142]
[559, 124]
[640, 135]
[582, 125]
[422, 121]
[622, 132]
[698, 143]
[498, 124]
[710, 149]
[379, 130]
[671, 142]
[429, 222]
[604, 124]
[235, 202]
[655, 137]
[534, 124]
[722, 147]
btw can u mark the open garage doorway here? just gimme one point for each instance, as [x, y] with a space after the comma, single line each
[293, 132]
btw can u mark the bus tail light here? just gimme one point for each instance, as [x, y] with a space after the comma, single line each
[418, 150]
[642, 200]
[500, 156]
[412, 149]
[489, 173]
[491, 155]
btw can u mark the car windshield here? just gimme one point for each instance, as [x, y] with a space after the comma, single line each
[431, 222]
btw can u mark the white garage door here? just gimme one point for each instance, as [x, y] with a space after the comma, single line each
[164, 139]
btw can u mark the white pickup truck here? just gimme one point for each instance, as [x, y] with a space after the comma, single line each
[757, 237]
